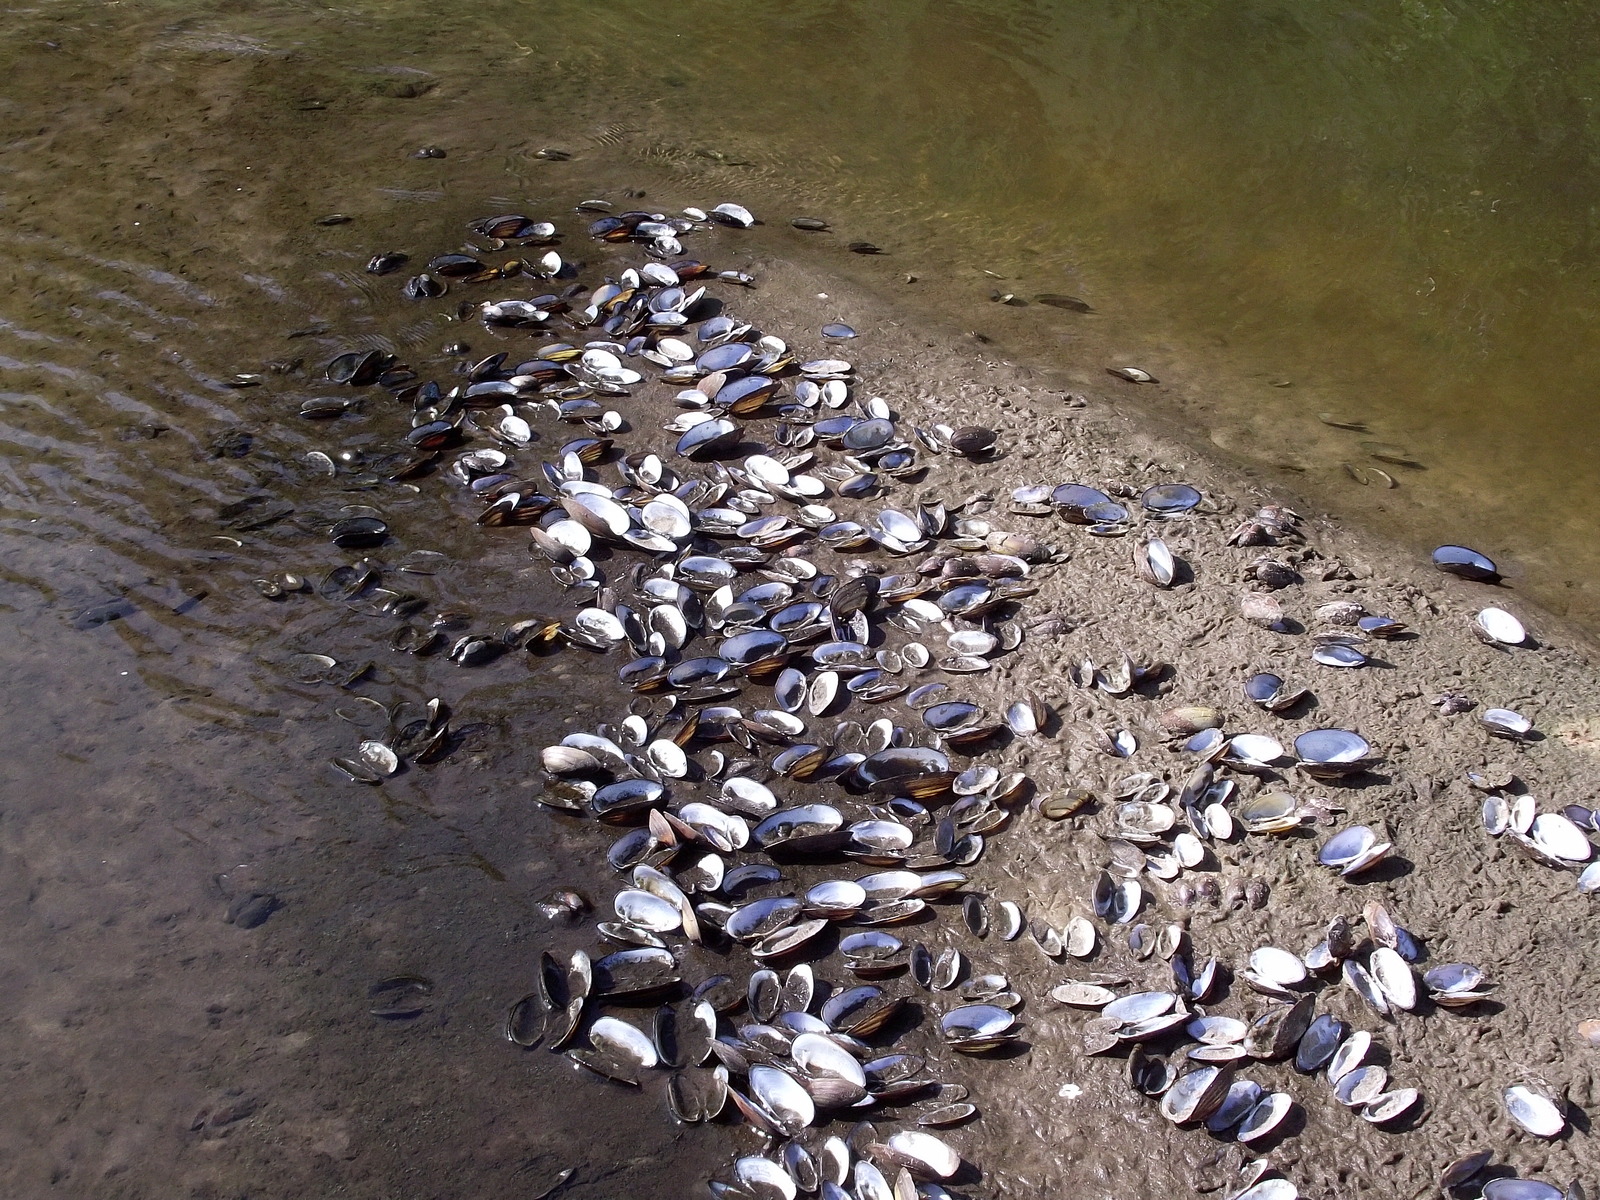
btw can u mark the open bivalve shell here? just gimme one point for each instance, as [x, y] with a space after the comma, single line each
[1154, 562]
[1266, 1116]
[622, 1042]
[1506, 723]
[1353, 850]
[1252, 751]
[1557, 836]
[790, 1106]
[1332, 753]
[763, 1177]
[1278, 966]
[1391, 1106]
[1393, 974]
[1534, 1111]
[1196, 1095]
[924, 1155]
[1498, 627]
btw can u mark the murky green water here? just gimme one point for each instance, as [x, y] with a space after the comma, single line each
[1382, 212]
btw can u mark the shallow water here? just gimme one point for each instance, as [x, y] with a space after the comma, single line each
[1281, 210]
[1387, 214]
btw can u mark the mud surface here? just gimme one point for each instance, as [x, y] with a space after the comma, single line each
[167, 767]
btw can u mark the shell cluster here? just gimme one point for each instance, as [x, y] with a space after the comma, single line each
[799, 784]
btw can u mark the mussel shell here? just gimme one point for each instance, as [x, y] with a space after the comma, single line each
[1331, 746]
[1467, 563]
[1534, 1111]
[358, 532]
[1347, 846]
[1512, 1188]
[709, 438]
[1197, 1094]
[1168, 499]
[453, 265]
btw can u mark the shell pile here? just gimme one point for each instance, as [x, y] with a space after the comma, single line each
[799, 785]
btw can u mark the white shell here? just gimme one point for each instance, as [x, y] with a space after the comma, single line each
[622, 1041]
[1191, 852]
[1255, 748]
[1360, 981]
[824, 687]
[1156, 562]
[1278, 966]
[598, 514]
[765, 470]
[1079, 937]
[668, 620]
[1507, 720]
[1538, 1114]
[1270, 1189]
[647, 911]
[570, 534]
[1393, 975]
[1522, 813]
[1497, 625]
[783, 1097]
[839, 895]
[1350, 1055]
[738, 214]
[1266, 1116]
[870, 1183]
[599, 623]
[936, 1157]
[763, 1177]
[833, 1160]
[1558, 837]
[1390, 1105]
[819, 1054]
[667, 757]
[972, 641]
[749, 796]
[668, 516]
[1218, 821]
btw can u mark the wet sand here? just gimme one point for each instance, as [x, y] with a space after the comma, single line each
[153, 1048]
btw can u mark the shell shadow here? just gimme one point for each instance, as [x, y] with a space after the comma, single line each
[1292, 1125]
[1392, 868]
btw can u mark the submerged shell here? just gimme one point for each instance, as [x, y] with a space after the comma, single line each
[1465, 562]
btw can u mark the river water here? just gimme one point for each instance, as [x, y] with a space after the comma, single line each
[1380, 213]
